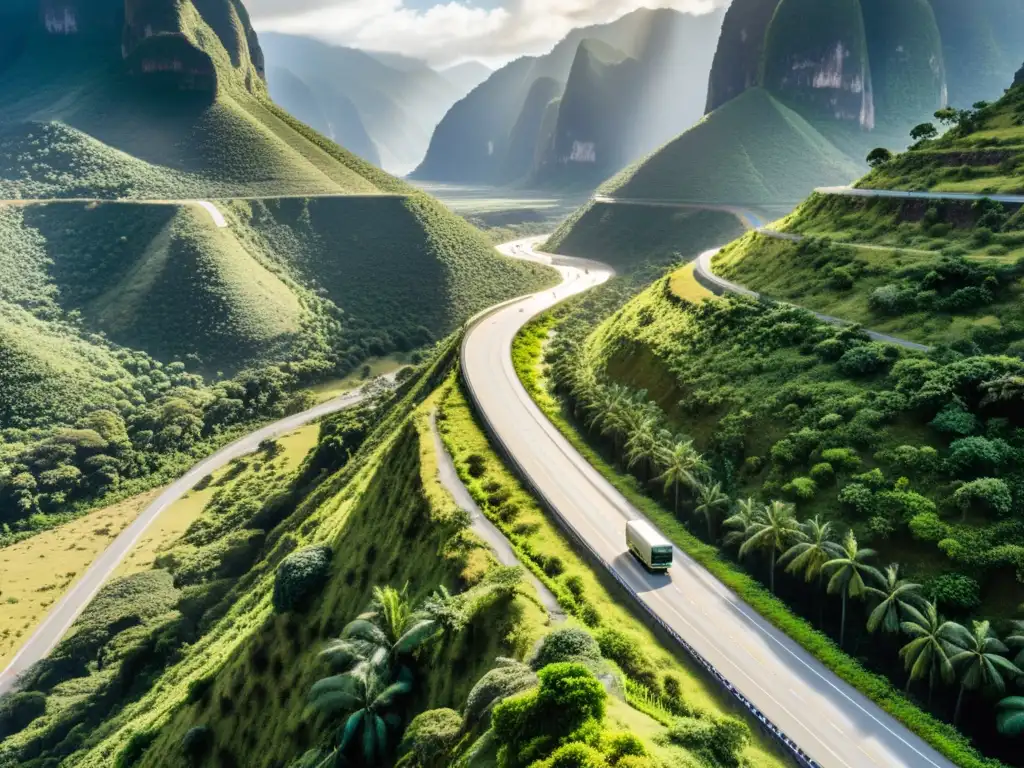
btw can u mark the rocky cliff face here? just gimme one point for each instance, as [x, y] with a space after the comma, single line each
[160, 40]
[737, 64]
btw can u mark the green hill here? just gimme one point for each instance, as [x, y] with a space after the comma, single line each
[480, 139]
[753, 151]
[122, 293]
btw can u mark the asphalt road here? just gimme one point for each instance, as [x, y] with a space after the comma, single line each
[830, 720]
[910, 195]
[63, 614]
[719, 285]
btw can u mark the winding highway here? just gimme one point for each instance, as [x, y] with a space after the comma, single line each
[64, 612]
[830, 721]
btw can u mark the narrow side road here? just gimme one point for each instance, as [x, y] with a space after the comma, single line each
[833, 724]
[483, 527]
[719, 285]
[912, 195]
[63, 614]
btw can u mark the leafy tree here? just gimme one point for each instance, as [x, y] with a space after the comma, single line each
[683, 467]
[299, 575]
[1010, 716]
[567, 644]
[927, 655]
[369, 701]
[878, 157]
[773, 529]
[848, 574]
[979, 662]
[986, 495]
[947, 116]
[923, 132]
[894, 595]
[712, 502]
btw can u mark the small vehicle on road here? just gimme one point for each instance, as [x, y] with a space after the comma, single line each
[648, 546]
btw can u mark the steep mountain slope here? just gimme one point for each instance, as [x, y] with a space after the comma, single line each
[466, 76]
[336, 118]
[752, 151]
[399, 100]
[737, 63]
[472, 143]
[125, 300]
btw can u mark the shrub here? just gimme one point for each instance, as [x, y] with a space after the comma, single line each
[823, 474]
[987, 496]
[196, 744]
[842, 459]
[830, 421]
[17, 710]
[859, 497]
[973, 456]
[566, 644]
[632, 761]
[954, 590]
[956, 420]
[431, 735]
[575, 755]
[928, 527]
[554, 566]
[892, 299]
[135, 748]
[574, 584]
[719, 741]
[867, 359]
[801, 488]
[625, 652]
[498, 684]
[299, 575]
[873, 479]
[623, 744]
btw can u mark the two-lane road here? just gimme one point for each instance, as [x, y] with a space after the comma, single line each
[828, 719]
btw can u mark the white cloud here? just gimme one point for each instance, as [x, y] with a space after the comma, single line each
[452, 31]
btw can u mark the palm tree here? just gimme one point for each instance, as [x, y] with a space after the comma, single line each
[389, 630]
[740, 521]
[683, 466]
[894, 597]
[711, 503]
[928, 652]
[367, 697]
[847, 574]
[808, 556]
[1010, 716]
[1015, 640]
[979, 662]
[642, 441]
[774, 528]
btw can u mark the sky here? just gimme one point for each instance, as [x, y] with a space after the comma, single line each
[444, 33]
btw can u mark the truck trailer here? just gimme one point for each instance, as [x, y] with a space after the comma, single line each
[648, 546]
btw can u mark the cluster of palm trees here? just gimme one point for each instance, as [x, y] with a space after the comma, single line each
[372, 662]
[937, 650]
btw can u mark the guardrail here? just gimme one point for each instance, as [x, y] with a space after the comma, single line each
[791, 748]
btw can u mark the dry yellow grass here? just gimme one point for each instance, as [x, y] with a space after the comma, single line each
[36, 572]
[685, 285]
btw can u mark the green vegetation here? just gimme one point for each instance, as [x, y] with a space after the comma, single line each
[980, 150]
[657, 325]
[752, 151]
[630, 236]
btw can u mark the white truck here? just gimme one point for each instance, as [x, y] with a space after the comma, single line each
[648, 546]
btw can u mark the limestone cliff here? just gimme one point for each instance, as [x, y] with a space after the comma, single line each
[737, 64]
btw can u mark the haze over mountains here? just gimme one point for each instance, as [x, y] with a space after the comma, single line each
[603, 96]
[381, 106]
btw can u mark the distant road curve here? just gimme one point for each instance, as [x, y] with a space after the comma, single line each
[833, 723]
[911, 195]
[63, 614]
[719, 285]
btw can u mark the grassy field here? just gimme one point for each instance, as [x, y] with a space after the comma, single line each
[683, 284]
[752, 151]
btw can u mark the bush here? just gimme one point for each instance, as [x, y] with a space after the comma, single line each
[623, 744]
[135, 748]
[567, 644]
[299, 575]
[431, 735]
[892, 299]
[986, 496]
[868, 359]
[842, 459]
[974, 456]
[823, 474]
[574, 755]
[17, 710]
[927, 526]
[720, 741]
[956, 420]
[801, 488]
[196, 744]
[625, 652]
[554, 566]
[496, 685]
[954, 590]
